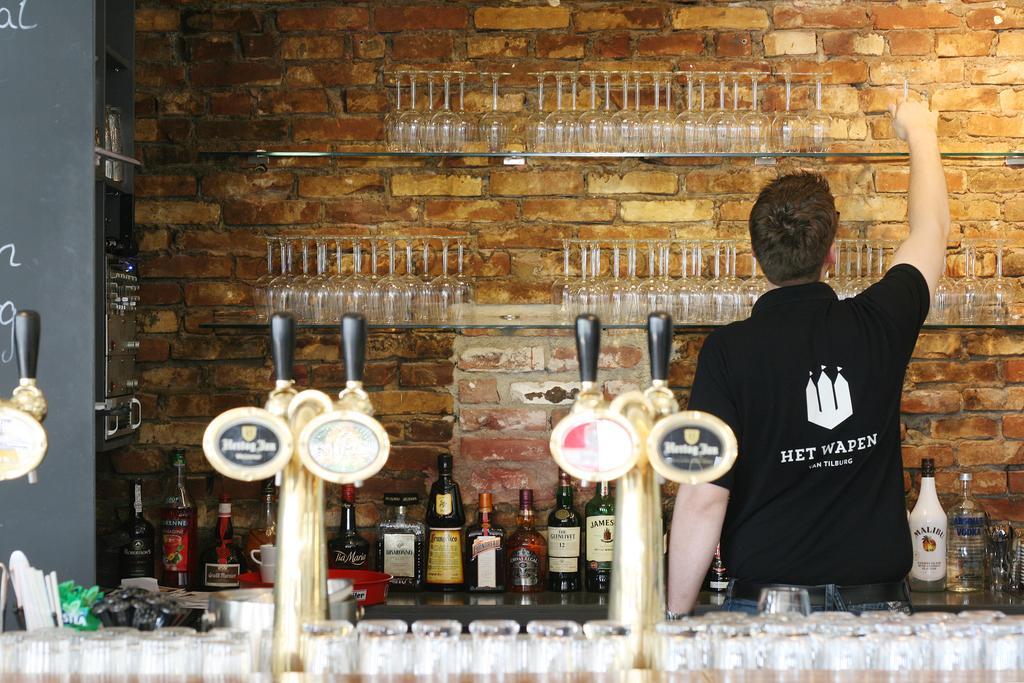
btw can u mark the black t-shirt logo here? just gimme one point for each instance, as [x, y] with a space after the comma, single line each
[828, 400]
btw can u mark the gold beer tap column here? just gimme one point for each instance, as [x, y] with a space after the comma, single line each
[22, 437]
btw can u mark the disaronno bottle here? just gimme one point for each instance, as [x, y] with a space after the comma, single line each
[445, 522]
[400, 543]
[564, 535]
[928, 535]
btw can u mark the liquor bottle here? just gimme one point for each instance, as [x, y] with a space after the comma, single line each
[265, 532]
[928, 535]
[222, 561]
[400, 543]
[137, 553]
[485, 551]
[719, 577]
[527, 551]
[965, 547]
[564, 532]
[349, 550]
[600, 524]
[178, 532]
[445, 521]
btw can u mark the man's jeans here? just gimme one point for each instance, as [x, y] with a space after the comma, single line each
[833, 603]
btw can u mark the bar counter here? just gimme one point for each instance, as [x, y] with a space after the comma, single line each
[582, 607]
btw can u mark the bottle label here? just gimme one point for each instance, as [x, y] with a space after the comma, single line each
[137, 559]
[929, 553]
[525, 568]
[564, 541]
[221, 575]
[485, 554]
[176, 550]
[444, 557]
[443, 504]
[349, 559]
[964, 527]
[400, 555]
[600, 538]
[718, 584]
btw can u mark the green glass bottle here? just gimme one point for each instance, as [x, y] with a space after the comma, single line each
[564, 535]
[600, 526]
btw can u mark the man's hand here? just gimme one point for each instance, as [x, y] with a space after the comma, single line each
[911, 117]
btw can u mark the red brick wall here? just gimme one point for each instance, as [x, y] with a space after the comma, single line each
[296, 75]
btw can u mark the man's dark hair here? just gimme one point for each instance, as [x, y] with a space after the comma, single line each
[792, 225]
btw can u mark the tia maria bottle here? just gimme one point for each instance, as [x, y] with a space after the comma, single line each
[445, 522]
[349, 550]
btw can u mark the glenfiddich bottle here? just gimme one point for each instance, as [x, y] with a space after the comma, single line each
[137, 553]
[265, 532]
[564, 535]
[600, 525]
[400, 543]
[222, 561]
[349, 550]
[445, 522]
[178, 532]
[485, 551]
[527, 551]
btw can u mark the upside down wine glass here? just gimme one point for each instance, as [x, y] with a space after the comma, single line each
[494, 124]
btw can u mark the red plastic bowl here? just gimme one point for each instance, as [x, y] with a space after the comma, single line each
[368, 588]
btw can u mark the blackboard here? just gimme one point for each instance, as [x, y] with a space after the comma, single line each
[48, 263]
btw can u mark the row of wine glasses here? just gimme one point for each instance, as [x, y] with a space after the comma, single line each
[321, 278]
[696, 281]
[970, 298]
[584, 116]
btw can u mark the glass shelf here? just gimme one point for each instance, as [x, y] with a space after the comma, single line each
[518, 317]
[1010, 156]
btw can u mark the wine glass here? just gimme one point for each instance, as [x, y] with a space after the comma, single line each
[590, 126]
[737, 126]
[494, 124]
[413, 121]
[627, 122]
[393, 299]
[818, 125]
[260, 288]
[465, 292]
[445, 287]
[560, 124]
[320, 294]
[658, 124]
[690, 124]
[445, 123]
[575, 293]
[558, 287]
[298, 290]
[720, 124]
[969, 286]
[1000, 293]
[681, 295]
[757, 124]
[467, 122]
[608, 125]
[786, 126]
[618, 295]
[357, 286]
[754, 286]
[429, 139]
[394, 128]
[535, 127]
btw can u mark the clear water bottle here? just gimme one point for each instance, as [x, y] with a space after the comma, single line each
[966, 545]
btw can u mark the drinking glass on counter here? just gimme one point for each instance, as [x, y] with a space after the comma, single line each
[495, 646]
[436, 647]
[382, 647]
[551, 647]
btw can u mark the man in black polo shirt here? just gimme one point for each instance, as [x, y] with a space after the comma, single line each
[811, 385]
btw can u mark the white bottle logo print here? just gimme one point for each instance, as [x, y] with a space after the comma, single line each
[828, 402]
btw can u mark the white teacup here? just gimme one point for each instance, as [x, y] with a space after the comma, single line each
[266, 557]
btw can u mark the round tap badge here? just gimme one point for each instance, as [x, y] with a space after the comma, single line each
[248, 444]
[22, 443]
[344, 446]
[594, 445]
[691, 447]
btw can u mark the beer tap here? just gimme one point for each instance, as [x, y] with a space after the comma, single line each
[282, 342]
[588, 349]
[659, 345]
[22, 437]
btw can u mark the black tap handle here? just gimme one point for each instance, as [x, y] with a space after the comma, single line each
[588, 345]
[659, 343]
[26, 341]
[282, 341]
[353, 345]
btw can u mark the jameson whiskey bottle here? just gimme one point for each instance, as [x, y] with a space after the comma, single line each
[137, 554]
[600, 525]
[265, 531]
[445, 521]
[928, 535]
[178, 532]
[222, 561]
[564, 535]
[485, 551]
[400, 543]
[527, 551]
[349, 550]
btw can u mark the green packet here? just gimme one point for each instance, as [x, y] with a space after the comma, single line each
[76, 603]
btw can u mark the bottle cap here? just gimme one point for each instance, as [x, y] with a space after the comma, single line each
[225, 505]
[444, 463]
[966, 476]
[927, 467]
[564, 479]
[348, 493]
[486, 502]
[401, 499]
[178, 457]
[268, 488]
[525, 498]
